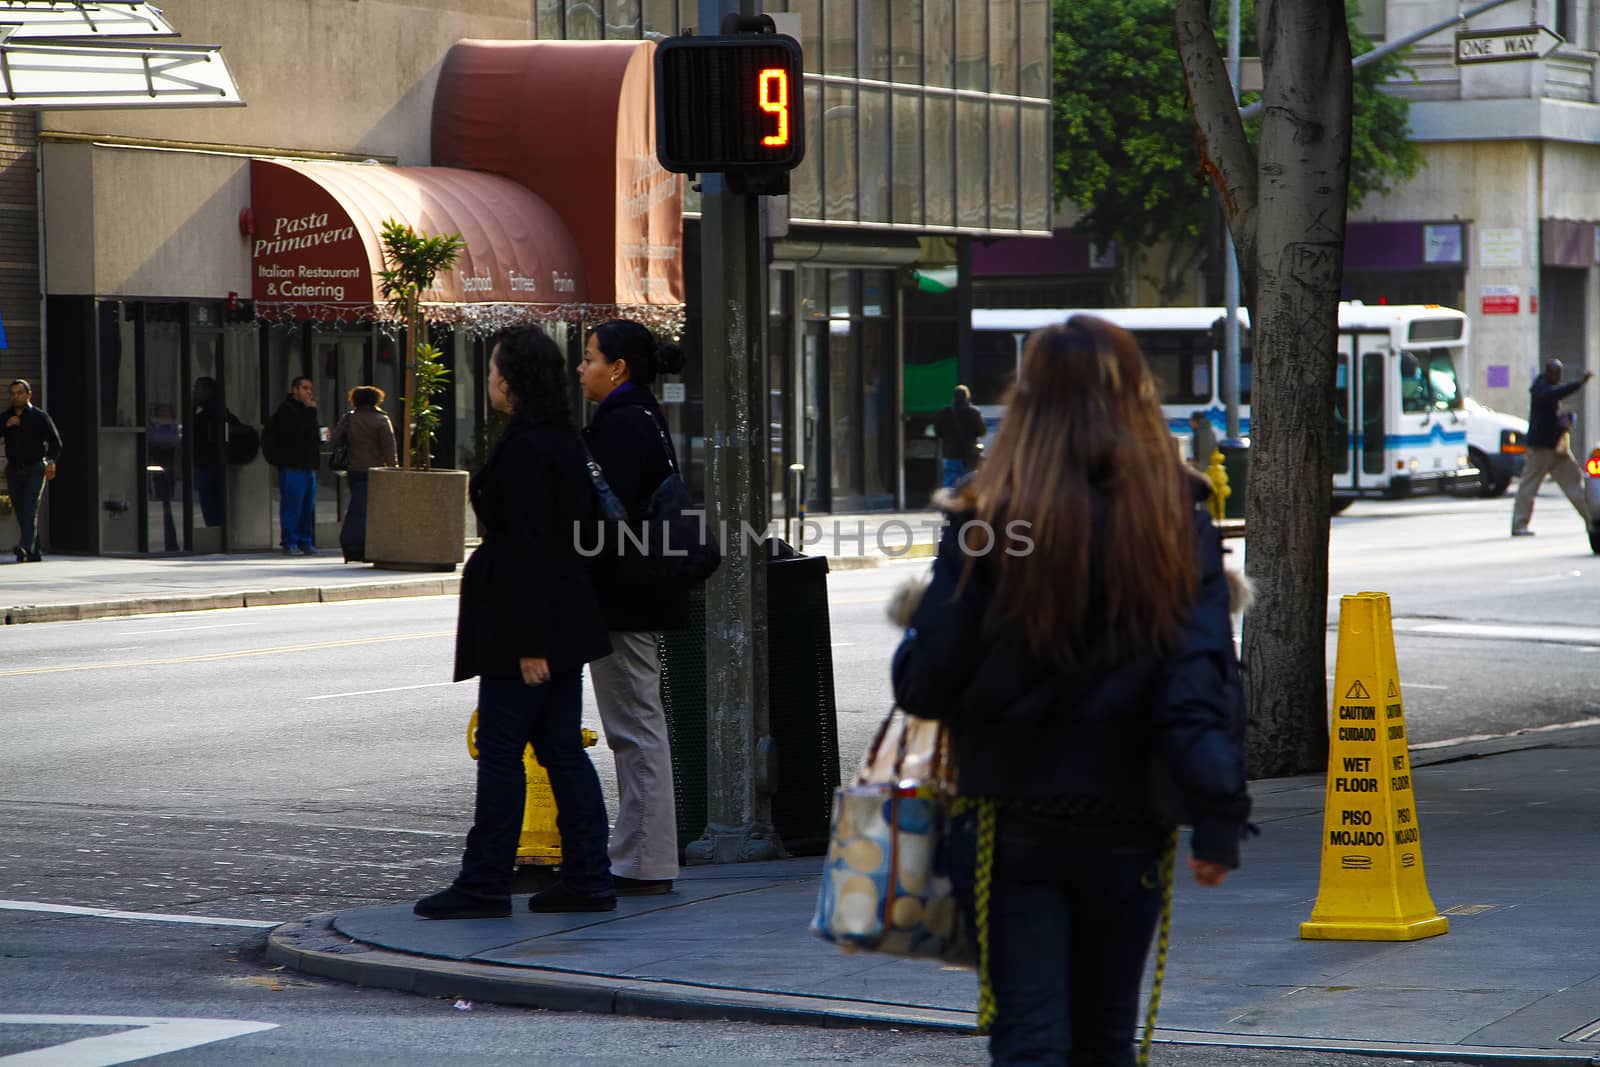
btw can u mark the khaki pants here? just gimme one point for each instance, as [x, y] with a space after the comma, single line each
[627, 688]
[1558, 464]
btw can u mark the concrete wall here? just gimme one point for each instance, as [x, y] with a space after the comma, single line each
[331, 75]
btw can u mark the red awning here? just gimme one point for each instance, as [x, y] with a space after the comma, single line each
[316, 250]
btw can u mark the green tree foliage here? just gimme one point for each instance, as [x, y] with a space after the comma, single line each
[1124, 136]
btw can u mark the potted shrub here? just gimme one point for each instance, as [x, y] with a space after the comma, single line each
[416, 515]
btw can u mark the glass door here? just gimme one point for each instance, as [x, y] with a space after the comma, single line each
[207, 442]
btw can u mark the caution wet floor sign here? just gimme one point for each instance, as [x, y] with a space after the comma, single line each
[1373, 887]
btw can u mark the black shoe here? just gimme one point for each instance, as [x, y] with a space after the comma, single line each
[36, 558]
[307, 550]
[288, 550]
[641, 887]
[22, 557]
[453, 904]
[560, 897]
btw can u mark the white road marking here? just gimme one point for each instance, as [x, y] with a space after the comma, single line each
[148, 916]
[1548, 728]
[1561, 635]
[843, 644]
[148, 1037]
[182, 629]
[1545, 578]
[369, 692]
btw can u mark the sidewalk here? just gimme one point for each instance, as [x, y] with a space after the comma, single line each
[1508, 828]
[89, 587]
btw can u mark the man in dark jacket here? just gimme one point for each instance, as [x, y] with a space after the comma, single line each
[295, 448]
[959, 425]
[32, 445]
[1548, 451]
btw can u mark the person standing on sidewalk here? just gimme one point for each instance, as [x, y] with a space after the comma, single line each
[1202, 441]
[293, 443]
[628, 439]
[367, 436]
[1549, 451]
[32, 445]
[1090, 691]
[528, 623]
[959, 426]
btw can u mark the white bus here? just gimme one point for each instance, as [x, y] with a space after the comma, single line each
[1399, 416]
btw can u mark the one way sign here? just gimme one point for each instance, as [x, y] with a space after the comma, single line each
[1513, 42]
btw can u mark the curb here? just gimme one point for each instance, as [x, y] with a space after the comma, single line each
[312, 946]
[253, 598]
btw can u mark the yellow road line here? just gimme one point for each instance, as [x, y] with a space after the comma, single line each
[224, 655]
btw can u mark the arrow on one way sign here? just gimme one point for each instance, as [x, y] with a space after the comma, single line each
[1503, 43]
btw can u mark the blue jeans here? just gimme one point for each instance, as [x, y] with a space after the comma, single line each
[511, 716]
[353, 534]
[25, 486]
[1071, 913]
[953, 470]
[297, 507]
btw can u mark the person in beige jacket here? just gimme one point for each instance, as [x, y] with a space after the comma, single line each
[367, 436]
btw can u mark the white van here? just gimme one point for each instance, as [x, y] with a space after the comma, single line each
[1496, 445]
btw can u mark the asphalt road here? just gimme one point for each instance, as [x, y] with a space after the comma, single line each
[263, 764]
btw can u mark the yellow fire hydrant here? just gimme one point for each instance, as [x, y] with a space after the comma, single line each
[1219, 486]
[540, 843]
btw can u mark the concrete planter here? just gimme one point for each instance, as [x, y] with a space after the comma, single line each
[416, 520]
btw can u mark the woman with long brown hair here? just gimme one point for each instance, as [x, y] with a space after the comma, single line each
[1076, 641]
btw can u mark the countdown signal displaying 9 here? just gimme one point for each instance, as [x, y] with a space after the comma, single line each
[730, 104]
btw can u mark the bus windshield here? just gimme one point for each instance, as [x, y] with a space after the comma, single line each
[1428, 380]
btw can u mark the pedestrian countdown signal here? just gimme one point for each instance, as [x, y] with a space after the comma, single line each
[733, 105]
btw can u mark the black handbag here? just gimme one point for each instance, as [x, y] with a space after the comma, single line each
[674, 542]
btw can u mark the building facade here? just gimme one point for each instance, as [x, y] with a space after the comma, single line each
[169, 335]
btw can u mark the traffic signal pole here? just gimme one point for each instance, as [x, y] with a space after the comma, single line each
[741, 763]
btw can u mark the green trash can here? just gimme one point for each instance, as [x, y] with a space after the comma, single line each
[1236, 461]
[800, 699]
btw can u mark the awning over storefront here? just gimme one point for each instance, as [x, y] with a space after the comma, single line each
[316, 246]
[574, 121]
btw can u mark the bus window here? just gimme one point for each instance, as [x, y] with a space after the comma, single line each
[1413, 384]
[1180, 362]
[1442, 383]
[994, 366]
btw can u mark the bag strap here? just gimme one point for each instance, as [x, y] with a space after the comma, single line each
[666, 444]
[609, 502]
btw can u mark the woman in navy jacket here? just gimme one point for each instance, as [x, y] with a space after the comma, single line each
[528, 623]
[1076, 641]
[628, 438]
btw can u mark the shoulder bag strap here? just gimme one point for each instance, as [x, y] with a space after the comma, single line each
[666, 443]
[610, 505]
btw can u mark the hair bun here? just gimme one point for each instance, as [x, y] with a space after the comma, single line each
[670, 359]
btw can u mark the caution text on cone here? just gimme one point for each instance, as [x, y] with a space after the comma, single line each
[1373, 887]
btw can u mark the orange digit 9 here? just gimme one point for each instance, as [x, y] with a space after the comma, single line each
[772, 90]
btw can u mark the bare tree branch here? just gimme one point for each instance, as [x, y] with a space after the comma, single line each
[1225, 154]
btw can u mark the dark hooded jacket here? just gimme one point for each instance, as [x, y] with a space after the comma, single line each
[1159, 739]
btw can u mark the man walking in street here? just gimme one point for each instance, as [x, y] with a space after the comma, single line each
[1548, 449]
[32, 445]
[293, 443]
[1202, 441]
[959, 425]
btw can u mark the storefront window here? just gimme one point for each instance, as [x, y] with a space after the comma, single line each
[906, 158]
[813, 293]
[972, 46]
[1035, 191]
[622, 20]
[1003, 46]
[1035, 49]
[660, 19]
[119, 386]
[878, 422]
[875, 135]
[874, 41]
[939, 42]
[583, 20]
[843, 428]
[805, 196]
[905, 35]
[1004, 210]
[839, 153]
[972, 169]
[839, 38]
[939, 160]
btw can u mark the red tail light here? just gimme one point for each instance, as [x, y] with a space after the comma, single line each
[1593, 466]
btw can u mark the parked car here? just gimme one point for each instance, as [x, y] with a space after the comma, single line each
[1495, 445]
[1591, 494]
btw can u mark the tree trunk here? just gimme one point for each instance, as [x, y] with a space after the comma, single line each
[1304, 171]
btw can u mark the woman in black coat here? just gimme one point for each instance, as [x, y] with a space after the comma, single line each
[1076, 641]
[528, 623]
[627, 435]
